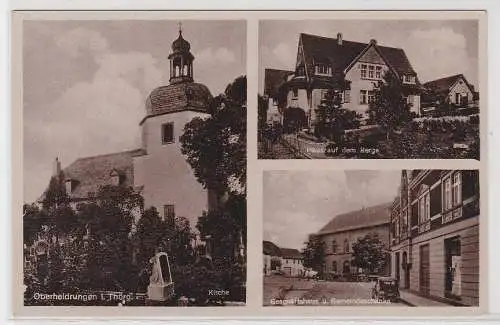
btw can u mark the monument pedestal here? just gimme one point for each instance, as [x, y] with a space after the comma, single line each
[160, 292]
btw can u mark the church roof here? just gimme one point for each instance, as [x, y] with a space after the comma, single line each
[178, 97]
[367, 217]
[318, 49]
[89, 174]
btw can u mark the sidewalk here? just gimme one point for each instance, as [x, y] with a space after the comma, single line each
[415, 300]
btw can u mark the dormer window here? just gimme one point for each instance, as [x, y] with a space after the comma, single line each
[408, 79]
[300, 71]
[69, 185]
[115, 177]
[323, 69]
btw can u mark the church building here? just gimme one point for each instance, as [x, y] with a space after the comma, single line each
[353, 69]
[157, 170]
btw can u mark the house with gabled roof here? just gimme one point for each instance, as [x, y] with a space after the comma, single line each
[454, 89]
[344, 230]
[351, 68]
[290, 261]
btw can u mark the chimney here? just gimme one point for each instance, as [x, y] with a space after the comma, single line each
[57, 168]
[373, 41]
[339, 38]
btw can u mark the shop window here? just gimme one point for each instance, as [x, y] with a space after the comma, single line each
[453, 264]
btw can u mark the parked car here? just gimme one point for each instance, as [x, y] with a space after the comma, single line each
[385, 289]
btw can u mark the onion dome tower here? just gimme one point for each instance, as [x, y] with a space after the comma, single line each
[182, 93]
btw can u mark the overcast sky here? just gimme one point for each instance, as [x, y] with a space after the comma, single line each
[299, 203]
[435, 48]
[86, 82]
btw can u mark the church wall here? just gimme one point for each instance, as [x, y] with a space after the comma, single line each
[299, 101]
[164, 172]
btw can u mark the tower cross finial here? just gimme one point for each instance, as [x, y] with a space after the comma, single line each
[180, 28]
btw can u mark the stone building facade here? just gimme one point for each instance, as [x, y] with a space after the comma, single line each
[344, 230]
[435, 235]
[288, 261]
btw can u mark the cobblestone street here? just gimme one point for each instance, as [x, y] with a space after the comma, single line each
[281, 290]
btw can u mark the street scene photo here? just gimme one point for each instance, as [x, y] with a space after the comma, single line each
[134, 151]
[368, 89]
[371, 238]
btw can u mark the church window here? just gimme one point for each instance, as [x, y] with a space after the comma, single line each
[167, 133]
[169, 213]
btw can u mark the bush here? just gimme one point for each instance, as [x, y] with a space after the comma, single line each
[195, 282]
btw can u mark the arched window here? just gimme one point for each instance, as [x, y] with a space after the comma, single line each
[346, 269]
[334, 247]
[346, 246]
[334, 266]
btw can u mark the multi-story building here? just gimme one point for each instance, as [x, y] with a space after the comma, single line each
[344, 230]
[435, 234]
[351, 68]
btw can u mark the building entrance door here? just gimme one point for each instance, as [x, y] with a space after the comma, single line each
[424, 270]
[397, 266]
[453, 264]
[406, 271]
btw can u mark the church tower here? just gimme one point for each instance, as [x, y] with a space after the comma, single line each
[181, 60]
[161, 172]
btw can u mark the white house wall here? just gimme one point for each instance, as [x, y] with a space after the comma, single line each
[462, 89]
[164, 172]
[357, 83]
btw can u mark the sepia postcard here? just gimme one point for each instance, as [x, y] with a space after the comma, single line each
[369, 89]
[347, 241]
[351, 183]
[126, 200]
